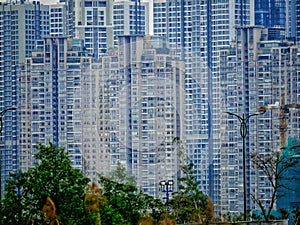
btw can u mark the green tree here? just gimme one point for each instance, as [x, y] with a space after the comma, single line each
[52, 176]
[190, 205]
[121, 176]
[11, 207]
[125, 204]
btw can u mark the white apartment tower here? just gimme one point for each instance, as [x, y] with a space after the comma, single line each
[60, 22]
[145, 109]
[99, 23]
[59, 102]
[129, 18]
[93, 24]
[197, 31]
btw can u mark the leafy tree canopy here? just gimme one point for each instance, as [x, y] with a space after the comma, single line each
[190, 205]
[126, 204]
[52, 176]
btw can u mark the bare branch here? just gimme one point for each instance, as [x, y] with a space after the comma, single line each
[274, 166]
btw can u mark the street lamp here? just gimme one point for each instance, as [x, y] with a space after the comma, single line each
[243, 131]
[1, 127]
[167, 186]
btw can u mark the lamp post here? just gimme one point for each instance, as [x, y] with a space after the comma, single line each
[243, 132]
[167, 186]
[1, 127]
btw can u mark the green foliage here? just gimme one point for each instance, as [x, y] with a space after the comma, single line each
[11, 208]
[120, 175]
[233, 218]
[53, 176]
[190, 205]
[125, 203]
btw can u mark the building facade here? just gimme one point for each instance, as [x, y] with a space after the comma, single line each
[196, 31]
[99, 23]
[298, 21]
[61, 23]
[21, 26]
[278, 14]
[129, 18]
[145, 109]
[59, 103]
[94, 25]
[256, 72]
[271, 13]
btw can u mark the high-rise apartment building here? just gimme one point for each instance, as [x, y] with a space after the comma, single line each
[99, 23]
[61, 23]
[277, 14]
[271, 13]
[277, 85]
[118, 96]
[254, 72]
[21, 25]
[93, 24]
[59, 102]
[197, 30]
[129, 18]
[145, 109]
[127, 108]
